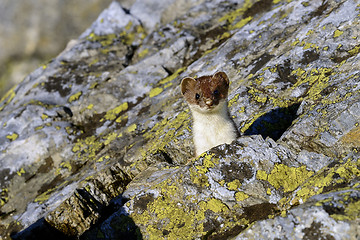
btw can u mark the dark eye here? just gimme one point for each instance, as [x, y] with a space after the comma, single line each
[216, 92]
[197, 96]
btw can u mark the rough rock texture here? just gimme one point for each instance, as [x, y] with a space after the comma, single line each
[31, 32]
[97, 143]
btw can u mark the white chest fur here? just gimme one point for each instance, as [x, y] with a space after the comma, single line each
[213, 128]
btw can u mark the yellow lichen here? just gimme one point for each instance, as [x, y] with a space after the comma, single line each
[234, 185]
[214, 205]
[288, 178]
[131, 128]
[66, 165]
[172, 76]
[251, 121]
[113, 113]
[88, 147]
[165, 130]
[122, 118]
[44, 116]
[199, 178]
[230, 17]
[338, 33]
[75, 97]
[7, 98]
[102, 158]
[233, 100]
[12, 137]
[155, 91]
[20, 172]
[143, 53]
[39, 128]
[309, 32]
[354, 51]
[242, 22]
[109, 138]
[166, 213]
[241, 196]
[316, 183]
[45, 195]
[352, 212]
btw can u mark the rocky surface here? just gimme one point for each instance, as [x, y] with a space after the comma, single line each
[97, 144]
[32, 32]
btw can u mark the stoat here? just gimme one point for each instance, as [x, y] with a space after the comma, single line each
[207, 99]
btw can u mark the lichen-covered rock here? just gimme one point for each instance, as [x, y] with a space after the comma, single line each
[98, 141]
[332, 215]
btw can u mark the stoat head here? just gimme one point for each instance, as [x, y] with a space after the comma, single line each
[206, 93]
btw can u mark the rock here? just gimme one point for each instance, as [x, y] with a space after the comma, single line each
[32, 32]
[98, 141]
[329, 216]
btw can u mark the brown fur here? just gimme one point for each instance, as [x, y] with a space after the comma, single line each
[209, 89]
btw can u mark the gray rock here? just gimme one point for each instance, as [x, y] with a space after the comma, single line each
[32, 32]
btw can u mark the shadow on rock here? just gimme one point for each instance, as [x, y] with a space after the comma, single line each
[274, 123]
[114, 224]
[40, 230]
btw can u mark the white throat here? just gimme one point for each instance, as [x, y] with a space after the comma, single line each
[212, 128]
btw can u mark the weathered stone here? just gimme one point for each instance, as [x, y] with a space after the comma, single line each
[32, 32]
[113, 136]
[326, 216]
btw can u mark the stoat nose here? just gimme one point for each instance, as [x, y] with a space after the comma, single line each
[209, 102]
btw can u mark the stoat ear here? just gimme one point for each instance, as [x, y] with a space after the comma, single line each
[223, 76]
[187, 83]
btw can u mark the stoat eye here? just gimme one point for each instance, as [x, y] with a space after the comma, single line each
[197, 96]
[216, 92]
